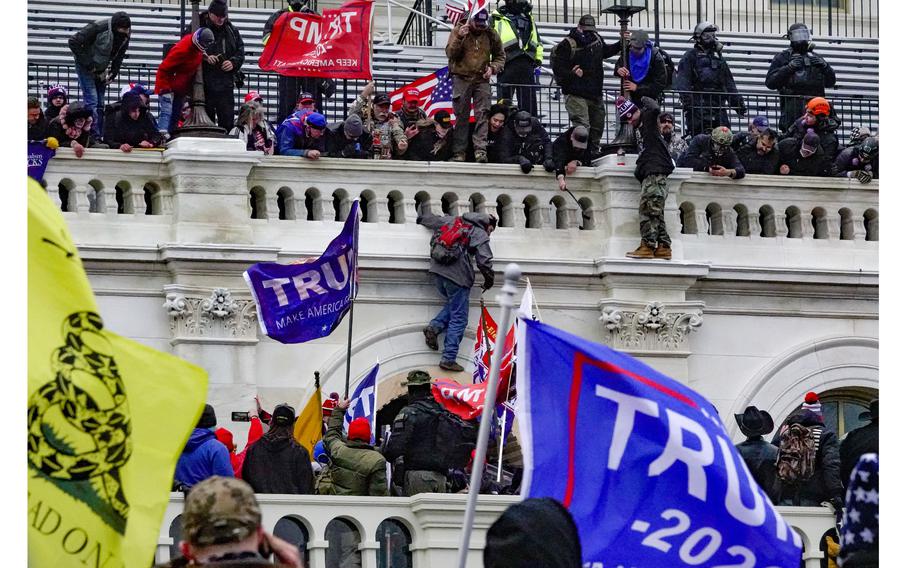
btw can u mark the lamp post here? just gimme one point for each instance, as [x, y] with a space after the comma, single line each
[198, 125]
[623, 9]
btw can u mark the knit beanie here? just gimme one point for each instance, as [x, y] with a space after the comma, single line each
[207, 420]
[811, 403]
[219, 8]
[359, 429]
[353, 127]
[625, 108]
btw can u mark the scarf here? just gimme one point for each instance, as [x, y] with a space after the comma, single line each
[638, 65]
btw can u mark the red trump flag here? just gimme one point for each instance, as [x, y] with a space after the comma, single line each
[337, 44]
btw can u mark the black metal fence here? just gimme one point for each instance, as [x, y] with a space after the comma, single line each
[844, 18]
[264, 4]
[418, 30]
[852, 111]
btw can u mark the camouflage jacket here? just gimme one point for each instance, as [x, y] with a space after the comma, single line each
[391, 126]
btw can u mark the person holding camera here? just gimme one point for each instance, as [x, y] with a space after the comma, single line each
[99, 49]
[714, 154]
[221, 64]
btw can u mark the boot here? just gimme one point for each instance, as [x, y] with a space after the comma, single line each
[663, 251]
[643, 251]
[429, 337]
[480, 156]
[451, 366]
[458, 157]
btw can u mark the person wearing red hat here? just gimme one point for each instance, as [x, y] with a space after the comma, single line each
[253, 96]
[306, 103]
[227, 438]
[356, 467]
[328, 405]
[411, 113]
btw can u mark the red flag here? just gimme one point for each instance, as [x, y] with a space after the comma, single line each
[466, 400]
[337, 44]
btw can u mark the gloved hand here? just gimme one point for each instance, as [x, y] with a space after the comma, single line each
[817, 61]
[549, 165]
[863, 176]
[741, 110]
[488, 279]
[525, 165]
[796, 62]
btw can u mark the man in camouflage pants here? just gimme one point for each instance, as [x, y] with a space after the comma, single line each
[652, 168]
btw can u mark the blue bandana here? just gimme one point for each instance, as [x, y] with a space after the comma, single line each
[638, 65]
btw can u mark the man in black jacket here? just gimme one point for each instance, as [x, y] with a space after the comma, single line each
[497, 119]
[221, 64]
[645, 74]
[37, 124]
[759, 455]
[347, 139]
[577, 64]
[859, 162]
[413, 436]
[276, 462]
[702, 68]
[863, 440]
[760, 155]
[526, 143]
[128, 128]
[99, 49]
[433, 141]
[653, 166]
[713, 154]
[806, 158]
[798, 72]
[571, 149]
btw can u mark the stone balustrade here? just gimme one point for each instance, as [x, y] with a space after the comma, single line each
[426, 528]
[211, 191]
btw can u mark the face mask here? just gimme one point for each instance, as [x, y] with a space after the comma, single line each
[708, 39]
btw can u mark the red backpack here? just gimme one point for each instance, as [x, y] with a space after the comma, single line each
[450, 241]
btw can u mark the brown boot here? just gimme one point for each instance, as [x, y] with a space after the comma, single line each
[480, 156]
[643, 251]
[663, 251]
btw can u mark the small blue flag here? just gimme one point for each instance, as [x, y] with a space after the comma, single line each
[38, 157]
[363, 403]
[300, 302]
[641, 461]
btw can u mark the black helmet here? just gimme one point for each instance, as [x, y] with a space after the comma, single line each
[868, 150]
[702, 27]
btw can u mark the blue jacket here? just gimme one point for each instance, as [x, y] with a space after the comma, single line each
[292, 137]
[203, 457]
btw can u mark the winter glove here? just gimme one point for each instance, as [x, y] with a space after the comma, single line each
[549, 165]
[862, 175]
[327, 88]
[525, 164]
[796, 62]
[817, 61]
[488, 279]
[741, 110]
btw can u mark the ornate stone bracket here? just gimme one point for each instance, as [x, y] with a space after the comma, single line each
[654, 327]
[217, 318]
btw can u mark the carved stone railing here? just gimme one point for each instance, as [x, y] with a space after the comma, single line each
[429, 525]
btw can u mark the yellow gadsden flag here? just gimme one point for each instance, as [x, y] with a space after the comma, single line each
[308, 427]
[107, 417]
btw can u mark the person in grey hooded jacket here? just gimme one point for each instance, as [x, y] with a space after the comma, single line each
[452, 270]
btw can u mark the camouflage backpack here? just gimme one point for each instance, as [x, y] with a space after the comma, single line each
[796, 458]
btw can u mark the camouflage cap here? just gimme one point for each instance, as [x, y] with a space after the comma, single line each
[418, 378]
[220, 510]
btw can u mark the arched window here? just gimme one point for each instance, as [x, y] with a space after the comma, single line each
[64, 190]
[450, 204]
[340, 204]
[687, 218]
[368, 206]
[587, 214]
[422, 203]
[394, 545]
[96, 197]
[477, 203]
[344, 540]
[313, 204]
[153, 204]
[504, 211]
[532, 213]
[558, 204]
[820, 223]
[841, 408]
[123, 192]
[294, 532]
[175, 531]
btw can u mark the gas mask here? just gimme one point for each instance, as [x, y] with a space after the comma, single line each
[708, 39]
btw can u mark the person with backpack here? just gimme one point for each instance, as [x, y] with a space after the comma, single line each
[808, 462]
[356, 468]
[759, 455]
[455, 241]
[430, 438]
[645, 72]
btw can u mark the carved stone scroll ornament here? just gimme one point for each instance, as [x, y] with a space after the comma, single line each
[652, 328]
[219, 316]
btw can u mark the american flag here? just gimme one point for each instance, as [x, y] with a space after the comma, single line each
[435, 93]
[454, 10]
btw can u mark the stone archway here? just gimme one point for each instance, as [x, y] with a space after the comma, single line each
[819, 365]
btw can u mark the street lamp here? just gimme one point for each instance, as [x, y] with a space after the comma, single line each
[198, 124]
[623, 9]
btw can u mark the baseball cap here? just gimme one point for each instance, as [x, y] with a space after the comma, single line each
[306, 98]
[353, 127]
[283, 414]
[382, 99]
[811, 141]
[220, 510]
[418, 378]
[523, 123]
[315, 120]
[587, 23]
[443, 118]
[580, 137]
[761, 122]
[481, 18]
[412, 95]
[328, 405]
[252, 96]
[638, 38]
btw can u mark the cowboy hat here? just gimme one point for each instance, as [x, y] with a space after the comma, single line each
[754, 422]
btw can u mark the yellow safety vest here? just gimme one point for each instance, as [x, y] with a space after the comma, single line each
[510, 40]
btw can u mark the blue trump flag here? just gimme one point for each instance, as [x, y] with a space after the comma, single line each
[363, 403]
[39, 155]
[642, 462]
[300, 302]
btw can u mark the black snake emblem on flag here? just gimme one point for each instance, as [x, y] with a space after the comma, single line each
[79, 424]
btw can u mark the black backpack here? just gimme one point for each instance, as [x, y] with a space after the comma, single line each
[668, 64]
[455, 438]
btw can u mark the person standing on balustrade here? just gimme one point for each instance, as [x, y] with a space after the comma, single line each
[798, 74]
[175, 75]
[514, 24]
[99, 49]
[221, 65]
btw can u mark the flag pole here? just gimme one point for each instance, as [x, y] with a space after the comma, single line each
[347, 371]
[502, 427]
[507, 303]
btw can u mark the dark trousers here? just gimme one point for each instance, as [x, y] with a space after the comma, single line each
[519, 71]
[464, 92]
[289, 89]
[705, 113]
[220, 108]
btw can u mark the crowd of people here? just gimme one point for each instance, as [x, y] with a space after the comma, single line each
[503, 43]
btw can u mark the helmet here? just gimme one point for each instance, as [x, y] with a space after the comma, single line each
[868, 150]
[315, 120]
[722, 136]
[702, 27]
[818, 106]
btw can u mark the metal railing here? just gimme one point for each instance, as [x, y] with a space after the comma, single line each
[417, 28]
[852, 111]
[262, 4]
[844, 18]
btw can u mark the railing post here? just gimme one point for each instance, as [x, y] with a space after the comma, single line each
[565, 11]
[829, 17]
[657, 22]
[697, 12]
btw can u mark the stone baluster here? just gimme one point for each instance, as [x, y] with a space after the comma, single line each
[833, 225]
[805, 220]
[754, 225]
[781, 229]
[701, 222]
[463, 206]
[410, 210]
[300, 205]
[859, 229]
[540, 214]
[110, 199]
[382, 210]
[728, 218]
[327, 204]
[518, 215]
[78, 198]
[272, 211]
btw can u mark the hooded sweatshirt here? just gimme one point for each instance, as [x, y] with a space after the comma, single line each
[531, 534]
[462, 271]
[277, 463]
[203, 457]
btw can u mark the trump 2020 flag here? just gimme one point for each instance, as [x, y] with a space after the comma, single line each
[300, 302]
[642, 462]
[107, 417]
[363, 402]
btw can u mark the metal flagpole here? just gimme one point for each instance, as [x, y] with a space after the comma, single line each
[506, 301]
[347, 371]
